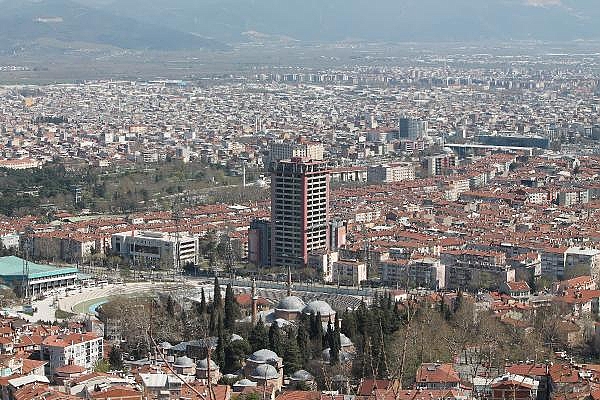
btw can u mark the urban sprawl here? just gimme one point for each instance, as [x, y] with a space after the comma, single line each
[360, 233]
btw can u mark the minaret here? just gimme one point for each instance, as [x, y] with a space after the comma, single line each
[289, 282]
[254, 301]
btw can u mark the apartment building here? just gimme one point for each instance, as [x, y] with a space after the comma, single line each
[351, 273]
[424, 272]
[299, 210]
[581, 261]
[82, 349]
[473, 269]
[387, 173]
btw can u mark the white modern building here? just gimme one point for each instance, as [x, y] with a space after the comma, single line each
[387, 173]
[288, 149]
[82, 349]
[156, 248]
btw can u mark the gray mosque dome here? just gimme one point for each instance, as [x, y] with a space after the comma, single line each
[318, 306]
[263, 355]
[345, 341]
[291, 303]
[203, 364]
[184, 362]
[235, 337]
[245, 382]
[302, 375]
[265, 371]
[343, 356]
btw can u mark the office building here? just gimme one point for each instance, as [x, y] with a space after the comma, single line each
[158, 249]
[299, 210]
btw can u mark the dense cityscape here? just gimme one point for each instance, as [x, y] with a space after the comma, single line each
[415, 230]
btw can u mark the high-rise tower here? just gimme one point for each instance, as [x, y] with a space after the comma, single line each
[299, 210]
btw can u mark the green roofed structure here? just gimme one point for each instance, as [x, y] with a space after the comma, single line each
[38, 278]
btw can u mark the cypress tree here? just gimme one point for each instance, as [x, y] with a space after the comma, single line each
[259, 338]
[328, 339]
[202, 307]
[219, 355]
[213, 323]
[115, 358]
[275, 339]
[313, 328]
[318, 339]
[231, 312]
[349, 325]
[303, 341]
[292, 359]
[333, 342]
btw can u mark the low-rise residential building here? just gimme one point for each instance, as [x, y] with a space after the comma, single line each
[81, 349]
[347, 272]
[472, 269]
[424, 272]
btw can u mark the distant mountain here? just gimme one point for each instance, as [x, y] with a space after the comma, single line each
[23, 22]
[376, 20]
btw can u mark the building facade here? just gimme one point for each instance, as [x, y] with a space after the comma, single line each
[299, 210]
[156, 248]
[82, 349]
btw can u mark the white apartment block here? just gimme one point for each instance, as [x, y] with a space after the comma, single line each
[580, 261]
[82, 349]
[387, 173]
[350, 273]
[156, 248]
[425, 272]
[287, 150]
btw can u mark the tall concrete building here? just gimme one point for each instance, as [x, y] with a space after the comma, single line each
[411, 128]
[299, 210]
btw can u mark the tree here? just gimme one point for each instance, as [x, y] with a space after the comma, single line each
[115, 358]
[231, 308]
[219, 355]
[335, 345]
[170, 305]
[292, 359]
[217, 299]
[102, 366]
[202, 306]
[235, 353]
[215, 324]
[259, 338]
[349, 325]
[275, 339]
[303, 342]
